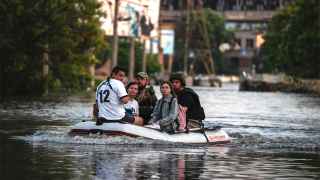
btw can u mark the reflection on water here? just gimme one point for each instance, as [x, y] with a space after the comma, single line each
[150, 164]
[277, 137]
[65, 161]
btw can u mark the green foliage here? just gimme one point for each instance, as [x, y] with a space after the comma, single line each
[214, 23]
[124, 57]
[68, 31]
[153, 65]
[292, 40]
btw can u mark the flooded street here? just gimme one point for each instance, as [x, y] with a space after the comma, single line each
[276, 136]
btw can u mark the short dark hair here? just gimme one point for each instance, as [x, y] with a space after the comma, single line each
[131, 84]
[117, 69]
[179, 77]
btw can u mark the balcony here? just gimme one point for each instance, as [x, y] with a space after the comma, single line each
[244, 53]
[248, 15]
[171, 15]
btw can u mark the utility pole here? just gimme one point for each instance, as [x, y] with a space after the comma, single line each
[186, 43]
[115, 36]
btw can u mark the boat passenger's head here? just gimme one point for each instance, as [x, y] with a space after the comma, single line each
[178, 81]
[142, 79]
[132, 89]
[118, 73]
[166, 88]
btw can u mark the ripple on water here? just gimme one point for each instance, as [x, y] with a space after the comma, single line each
[265, 120]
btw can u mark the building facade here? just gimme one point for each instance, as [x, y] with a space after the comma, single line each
[248, 19]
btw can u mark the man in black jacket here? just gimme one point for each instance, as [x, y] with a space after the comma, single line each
[146, 97]
[188, 99]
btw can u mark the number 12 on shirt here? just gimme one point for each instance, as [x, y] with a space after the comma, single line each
[103, 95]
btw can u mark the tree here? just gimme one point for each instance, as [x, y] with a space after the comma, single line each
[292, 40]
[201, 21]
[68, 31]
[123, 57]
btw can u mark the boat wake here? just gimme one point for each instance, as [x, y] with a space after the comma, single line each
[94, 139]
[246, 137]
[284, 141]
[63, 137]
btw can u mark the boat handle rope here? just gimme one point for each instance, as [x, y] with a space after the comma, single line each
[203, 132]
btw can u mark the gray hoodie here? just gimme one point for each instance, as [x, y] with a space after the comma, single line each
[166, 115]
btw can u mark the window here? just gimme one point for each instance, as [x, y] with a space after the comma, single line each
[250, 43]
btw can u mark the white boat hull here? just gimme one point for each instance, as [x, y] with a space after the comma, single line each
[214, 136]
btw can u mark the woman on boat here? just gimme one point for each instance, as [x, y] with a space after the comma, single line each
[132, 107]
[166, 110]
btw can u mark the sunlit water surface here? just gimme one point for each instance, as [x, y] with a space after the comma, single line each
[276, 137]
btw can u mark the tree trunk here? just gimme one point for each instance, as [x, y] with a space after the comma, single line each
[2, 82]
[144, 57]
[91, 70]
[45, 71]
[160, 54]
[170, 63]
[160, 59]
[132, 59]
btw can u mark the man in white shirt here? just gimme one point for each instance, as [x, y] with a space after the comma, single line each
[111, 96]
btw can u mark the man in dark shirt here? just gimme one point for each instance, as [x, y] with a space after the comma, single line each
[189, 100]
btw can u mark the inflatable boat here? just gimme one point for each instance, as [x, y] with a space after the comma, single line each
[194, 136]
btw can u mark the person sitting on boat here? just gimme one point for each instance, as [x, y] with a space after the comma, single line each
[146, 96]
[132, 107]
[111, 95]
[166, 110]
[189, 100]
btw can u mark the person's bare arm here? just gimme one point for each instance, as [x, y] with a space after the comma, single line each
[125, 99]
[185, 108]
